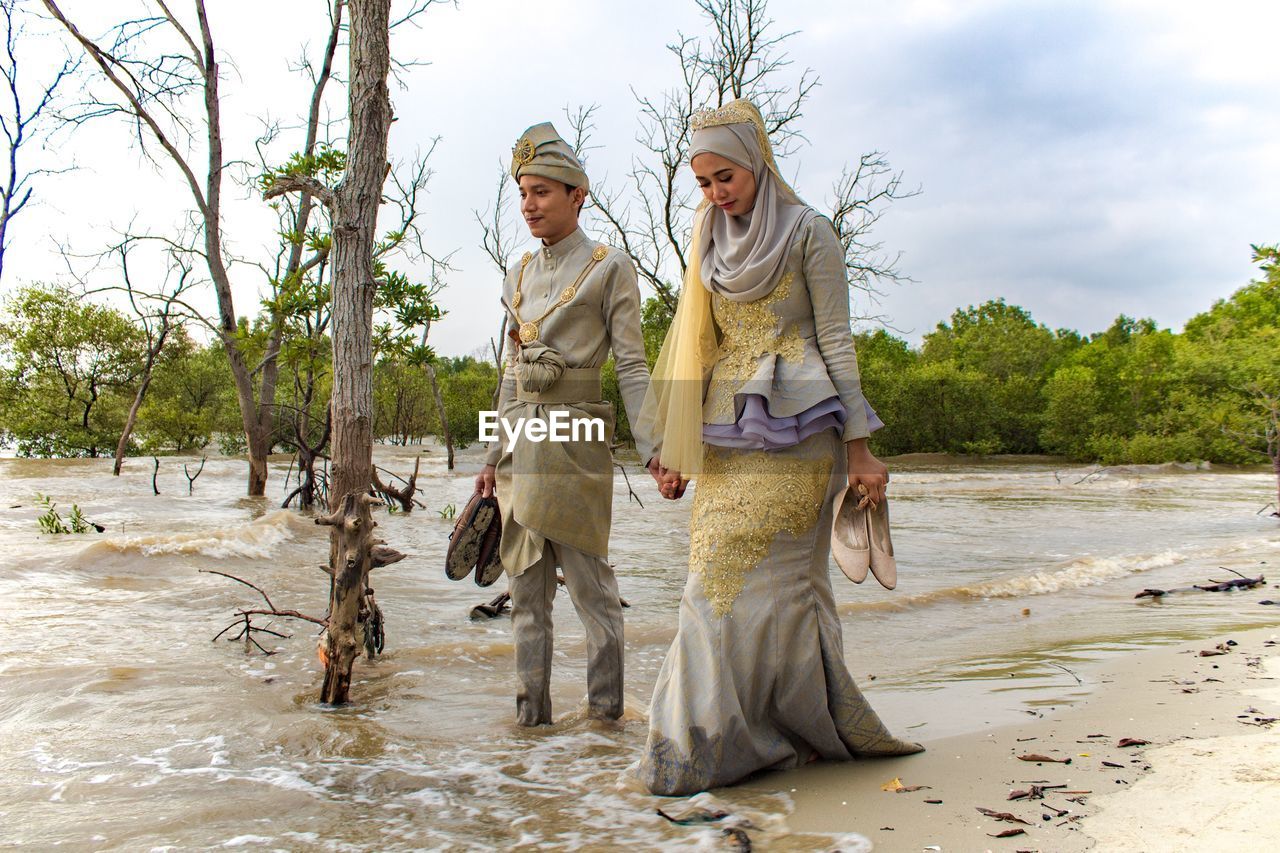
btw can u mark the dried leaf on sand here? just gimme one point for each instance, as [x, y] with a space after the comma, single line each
[895, 785]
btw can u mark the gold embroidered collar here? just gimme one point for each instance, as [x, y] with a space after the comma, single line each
[531, 329]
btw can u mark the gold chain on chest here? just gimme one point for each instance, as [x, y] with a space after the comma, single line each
[529, 330]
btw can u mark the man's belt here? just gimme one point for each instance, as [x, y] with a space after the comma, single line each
[575, 385]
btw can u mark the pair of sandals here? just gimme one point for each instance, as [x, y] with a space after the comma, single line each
[473, 544]
[860, 538]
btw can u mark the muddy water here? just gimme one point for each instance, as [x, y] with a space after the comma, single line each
[122, 726]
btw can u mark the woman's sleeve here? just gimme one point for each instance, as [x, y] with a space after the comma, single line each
[825, 277]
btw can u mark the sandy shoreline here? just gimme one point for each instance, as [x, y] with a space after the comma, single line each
[1209, 778]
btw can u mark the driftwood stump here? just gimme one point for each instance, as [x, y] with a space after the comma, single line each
[404, 496]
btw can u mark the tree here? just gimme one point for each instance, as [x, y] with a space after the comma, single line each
[743, 57]
[413, 309]
[497, 244]
[73, 363]
[1014, 354]
[148, 73]
[354, 620]
[23, 120]
[157, 317]
[191, 400]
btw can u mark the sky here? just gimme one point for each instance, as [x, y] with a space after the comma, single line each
[1080, 159]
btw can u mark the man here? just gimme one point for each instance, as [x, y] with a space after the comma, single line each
[568, 305]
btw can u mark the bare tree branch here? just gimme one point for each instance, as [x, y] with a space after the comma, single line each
[21, 123]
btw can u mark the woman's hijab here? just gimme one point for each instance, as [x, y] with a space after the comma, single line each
[743, 256]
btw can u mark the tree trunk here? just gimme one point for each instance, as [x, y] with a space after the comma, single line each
[355, 216]
[153, 352]
[344, 632]
[444, 418]
[130, 421]
[258, 445]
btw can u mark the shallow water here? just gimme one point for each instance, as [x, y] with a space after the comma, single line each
[122, 726]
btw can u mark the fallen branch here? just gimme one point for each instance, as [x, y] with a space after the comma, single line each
[1242, 582]
[405, 496]
[1036, 792]
[631, 493]
[1090, 475]
[1237, 583]
[493, 609]
[245, 617]
[502, 603]
[1067, 671]
[1004, 816]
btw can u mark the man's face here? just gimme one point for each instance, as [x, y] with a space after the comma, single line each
[549, 208]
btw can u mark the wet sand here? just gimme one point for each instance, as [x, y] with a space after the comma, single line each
[1208, 780]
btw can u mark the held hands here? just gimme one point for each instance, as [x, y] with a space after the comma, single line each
[485, 481]
[670, 484]
[866, 471]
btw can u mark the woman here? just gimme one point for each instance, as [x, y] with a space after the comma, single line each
[757, 393]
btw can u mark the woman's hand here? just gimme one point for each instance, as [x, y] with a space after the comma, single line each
[866, 470]
[485, 481]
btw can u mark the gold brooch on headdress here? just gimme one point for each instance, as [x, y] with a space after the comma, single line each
[522, 153]
[731, 113]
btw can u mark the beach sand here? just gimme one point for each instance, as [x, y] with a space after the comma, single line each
[1208, 780]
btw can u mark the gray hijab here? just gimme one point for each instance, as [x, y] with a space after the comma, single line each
[743, 256]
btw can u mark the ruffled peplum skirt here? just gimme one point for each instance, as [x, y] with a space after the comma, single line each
[755, 678]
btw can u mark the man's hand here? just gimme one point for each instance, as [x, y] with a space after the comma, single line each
[670, 484]
[485, 481]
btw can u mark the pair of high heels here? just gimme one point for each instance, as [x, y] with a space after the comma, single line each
[860, 538]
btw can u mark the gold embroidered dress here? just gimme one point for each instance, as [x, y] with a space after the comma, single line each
[755, 678]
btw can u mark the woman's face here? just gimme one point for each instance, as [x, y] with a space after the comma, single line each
[724, 183]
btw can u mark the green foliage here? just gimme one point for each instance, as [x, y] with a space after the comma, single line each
[69, 369]
[990, 380]
[51, 521]
[612, 393]
[993, 380]
[655, 320]
[467, 389]
[403, 403]
[191, 400]
[325, 164]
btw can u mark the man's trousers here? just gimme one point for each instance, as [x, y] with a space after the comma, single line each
[594, 592]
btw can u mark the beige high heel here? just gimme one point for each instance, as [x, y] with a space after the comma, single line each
[851, 535]
[883, 565]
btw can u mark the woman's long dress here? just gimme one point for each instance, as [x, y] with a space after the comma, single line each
[755, 678]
